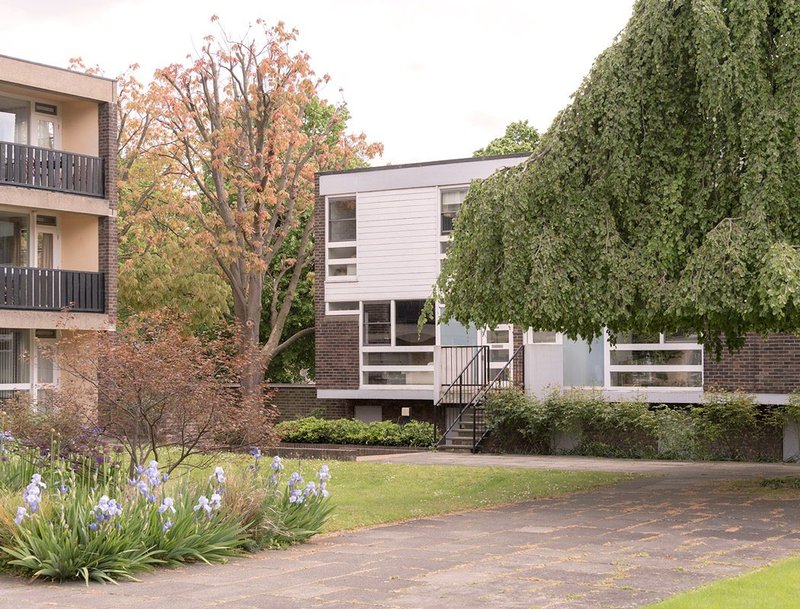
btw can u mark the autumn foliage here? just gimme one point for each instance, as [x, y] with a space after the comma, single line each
[242, 128]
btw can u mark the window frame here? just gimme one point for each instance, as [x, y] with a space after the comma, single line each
[661, 345]
[392, 347]
[34, 116]
[331, 262]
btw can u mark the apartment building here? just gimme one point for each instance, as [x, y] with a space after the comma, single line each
[381, 234]
[58, 200]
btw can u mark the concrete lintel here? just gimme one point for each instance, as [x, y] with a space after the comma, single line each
[50, 200]
[55, 320]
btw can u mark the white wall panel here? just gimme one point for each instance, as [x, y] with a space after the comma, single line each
[398, 246]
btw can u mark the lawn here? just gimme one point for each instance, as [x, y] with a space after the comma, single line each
[774, 587]
[369, 493]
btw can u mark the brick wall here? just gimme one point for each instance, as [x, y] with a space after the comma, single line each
[421, 410]
[298, 401]
[107, 256]
[770, 365]
[336, 336]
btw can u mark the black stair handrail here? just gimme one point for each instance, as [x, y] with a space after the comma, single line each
[459, 382]
[476, 401]
[485, 428]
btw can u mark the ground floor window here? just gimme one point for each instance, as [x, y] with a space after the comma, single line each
[657, 360]
[395, 350]
[26, 360]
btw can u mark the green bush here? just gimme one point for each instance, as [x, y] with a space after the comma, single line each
[728, 425]
[349, 431]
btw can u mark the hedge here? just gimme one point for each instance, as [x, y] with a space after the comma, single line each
[727, 425]
[350, 431]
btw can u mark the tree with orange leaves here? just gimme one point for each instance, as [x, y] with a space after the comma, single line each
[243, 124]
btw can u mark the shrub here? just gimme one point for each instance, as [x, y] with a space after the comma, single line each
[728, 425]
[104, 527]
[349, 431]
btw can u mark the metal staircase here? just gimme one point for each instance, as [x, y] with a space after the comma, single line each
[463, 400]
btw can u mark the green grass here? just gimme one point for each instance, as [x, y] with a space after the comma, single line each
[774, 587]
[369, 493]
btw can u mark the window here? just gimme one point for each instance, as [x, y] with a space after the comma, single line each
[540, 337]
[342, 220]
[394, 350]
[377, 323]
[14, 357]
[451, 204]
[15, 115]
[342, 250]
[406, 323]
[656, 360]
[14, 239]
[343, 308]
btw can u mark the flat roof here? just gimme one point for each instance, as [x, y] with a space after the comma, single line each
[43, 77]
[468, 159]
[451, 172]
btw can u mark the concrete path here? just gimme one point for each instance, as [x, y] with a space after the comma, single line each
[617, 547]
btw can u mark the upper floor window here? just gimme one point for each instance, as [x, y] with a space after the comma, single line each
[342, 251]
[451, 204]
[15, 116]
[23, 121]
[341, 220]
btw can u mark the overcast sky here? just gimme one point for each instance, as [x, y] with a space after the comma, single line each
[430, 79]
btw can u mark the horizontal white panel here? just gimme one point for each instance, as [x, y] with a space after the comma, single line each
[439, 173]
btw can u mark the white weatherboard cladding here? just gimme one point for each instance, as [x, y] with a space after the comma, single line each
[398, 243]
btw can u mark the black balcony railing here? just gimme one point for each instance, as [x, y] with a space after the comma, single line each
[33, 289]
[35, 167]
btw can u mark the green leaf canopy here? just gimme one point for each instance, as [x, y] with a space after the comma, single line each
[665, 197]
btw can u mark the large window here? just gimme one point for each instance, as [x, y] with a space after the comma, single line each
[342, 233]
[14, 356]
[395, 351]
[655, 360]
[14, 239]
[14, 120]
[27, 360]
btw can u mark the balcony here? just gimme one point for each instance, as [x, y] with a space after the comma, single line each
[38, 289]
[46, 169]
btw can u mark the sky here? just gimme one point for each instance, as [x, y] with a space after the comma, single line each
[429, 79]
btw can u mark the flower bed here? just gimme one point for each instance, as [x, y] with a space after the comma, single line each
[77, 519]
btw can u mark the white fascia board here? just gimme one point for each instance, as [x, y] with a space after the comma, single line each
[446, 173]
[375, 394]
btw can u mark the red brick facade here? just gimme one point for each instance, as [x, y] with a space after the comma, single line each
[298, 401]
[770, 365]
[336, 336]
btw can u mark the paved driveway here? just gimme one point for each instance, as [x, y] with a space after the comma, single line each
[623, 546]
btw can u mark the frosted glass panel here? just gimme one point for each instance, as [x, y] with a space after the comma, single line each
[455, 334]
[583, 367]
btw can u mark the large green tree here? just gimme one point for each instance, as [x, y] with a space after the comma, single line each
[664, 197]
[519, 136]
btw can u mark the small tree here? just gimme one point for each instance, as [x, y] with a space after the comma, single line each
[164, 394]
